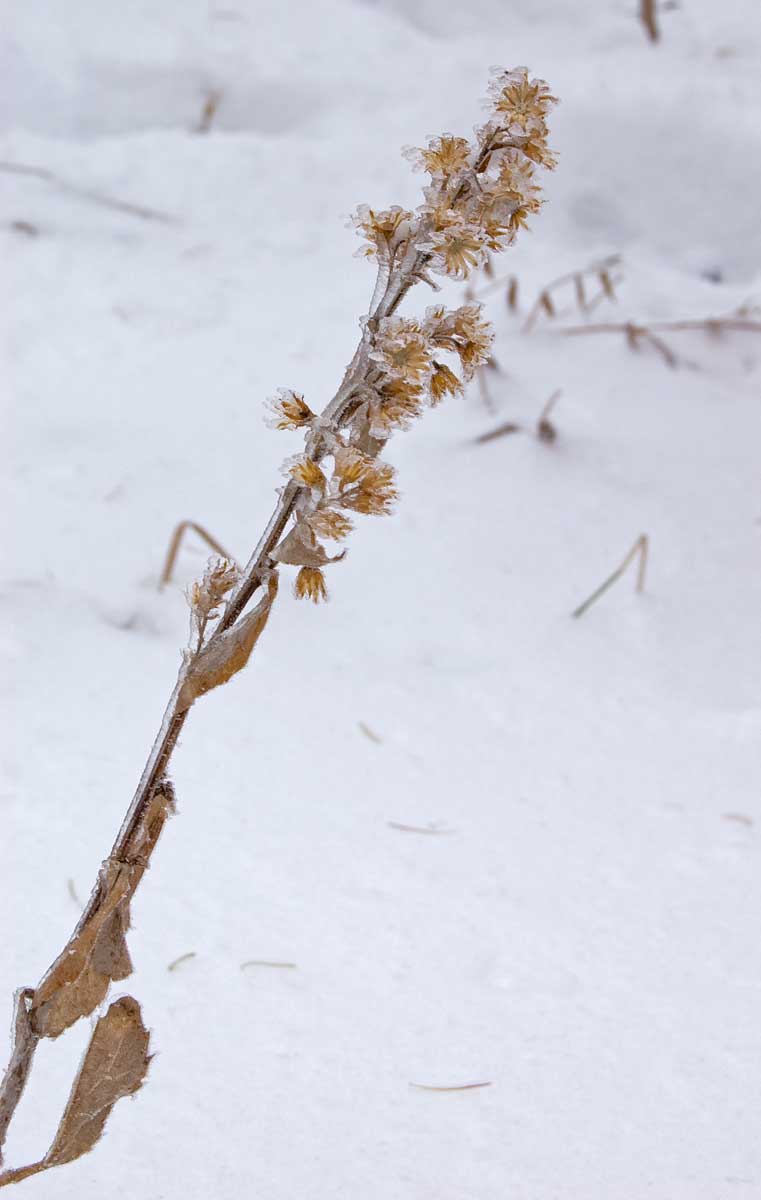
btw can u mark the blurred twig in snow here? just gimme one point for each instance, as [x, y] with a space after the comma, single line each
[100, 198]
[640, 548]
[638, 333]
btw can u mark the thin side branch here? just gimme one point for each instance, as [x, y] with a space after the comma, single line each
[639, 549]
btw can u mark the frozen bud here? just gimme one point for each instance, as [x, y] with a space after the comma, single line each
[310, 584]
[288, 410]
[444, 382]
[306, 472]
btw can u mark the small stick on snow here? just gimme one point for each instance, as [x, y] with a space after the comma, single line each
[262, 962]
[174, 964]
[640, 548]
[544, 427]
[461, 1087]
[73, 893]
[174, 548]
[417, 828]
[500, 431]
[647, 16]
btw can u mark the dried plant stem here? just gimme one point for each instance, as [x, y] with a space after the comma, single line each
[176, 542]
[640, 548]
[393, 371]
[155, 769]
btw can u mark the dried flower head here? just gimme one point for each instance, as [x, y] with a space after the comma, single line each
[402, 350]
[382, 229]
[518, 100]
[288, 410]
[306, 472]
[205, 596]
[457, 246]
[364, 484]
[310, 584]
[444, 382]
[444, 157]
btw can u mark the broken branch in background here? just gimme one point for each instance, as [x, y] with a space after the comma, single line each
[545, 430]
[209, 111]
[99, 198]
[492, 434]
[176, 541]
[640, 548]
[638, 334]
[601, 274]
[647, 16]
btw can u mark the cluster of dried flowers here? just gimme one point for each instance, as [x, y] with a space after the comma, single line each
[479, 195]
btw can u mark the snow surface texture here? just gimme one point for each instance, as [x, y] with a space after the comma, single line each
[585, 933]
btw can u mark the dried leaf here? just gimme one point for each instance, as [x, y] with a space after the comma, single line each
[22, 1052]
[96, 953]
[227, 653]
[114, 1066]
[512, 294]
[300, 548]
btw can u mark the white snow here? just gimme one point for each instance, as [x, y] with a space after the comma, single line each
[584, 934]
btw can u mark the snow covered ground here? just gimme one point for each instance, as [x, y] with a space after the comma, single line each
[583, 932]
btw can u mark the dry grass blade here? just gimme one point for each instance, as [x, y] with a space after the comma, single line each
[263, 962]
[176, 541]
[369, 733]
[492, 434]
[429, 829]
[460, 1087]
[176, 962]
[114, 1066]
[640, 548]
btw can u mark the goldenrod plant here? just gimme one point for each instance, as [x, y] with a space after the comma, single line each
[478, 195]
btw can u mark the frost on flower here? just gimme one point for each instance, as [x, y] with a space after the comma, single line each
[444, 157]
[288, 410]
[382, 230]
[205, 596]
[480, 193]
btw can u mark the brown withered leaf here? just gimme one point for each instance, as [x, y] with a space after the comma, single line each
[227, 653]
[114, 1065]
[300, 548]
[96, 953]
